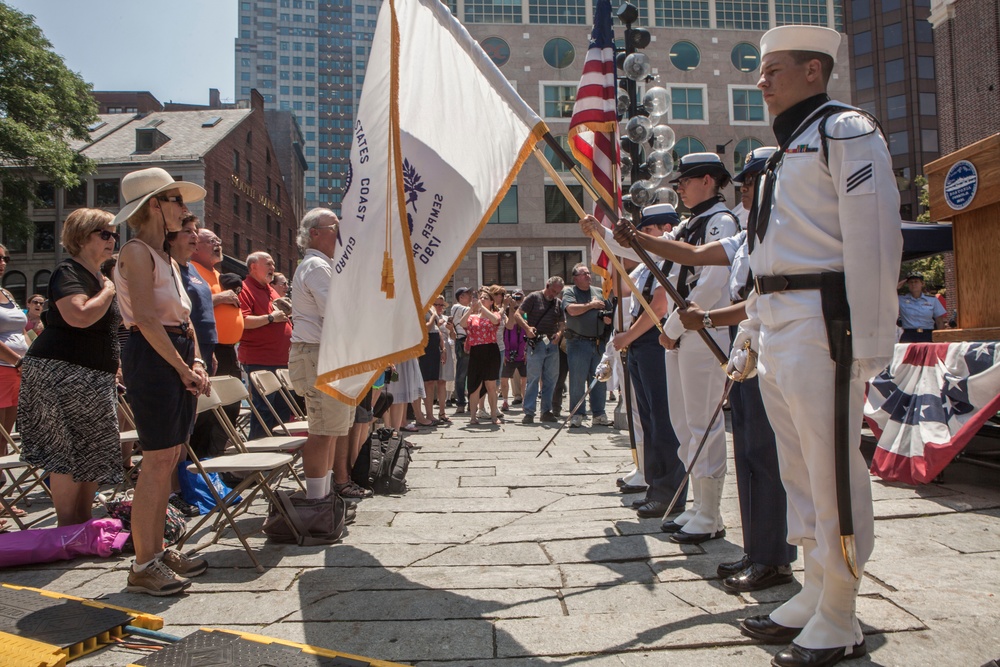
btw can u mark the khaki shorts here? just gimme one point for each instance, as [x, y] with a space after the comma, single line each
[326, 415]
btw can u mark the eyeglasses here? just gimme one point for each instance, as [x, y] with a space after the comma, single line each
[4, 258]
[106, 235]
[216, 241]
[177, 199]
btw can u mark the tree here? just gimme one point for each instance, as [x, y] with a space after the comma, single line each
[43, 106]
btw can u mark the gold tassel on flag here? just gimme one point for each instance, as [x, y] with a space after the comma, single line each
[388, 281]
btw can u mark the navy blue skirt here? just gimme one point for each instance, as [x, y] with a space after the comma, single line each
[164, 409]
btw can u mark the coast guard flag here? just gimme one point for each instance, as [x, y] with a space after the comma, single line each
[439, 138]
[593, 128]
[928, 403]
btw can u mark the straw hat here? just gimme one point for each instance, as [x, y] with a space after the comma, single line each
[139, 186]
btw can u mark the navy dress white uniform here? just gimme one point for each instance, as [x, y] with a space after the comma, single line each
[834, 208]
[694, 378]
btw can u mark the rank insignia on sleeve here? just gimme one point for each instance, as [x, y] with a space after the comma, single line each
[859, 178]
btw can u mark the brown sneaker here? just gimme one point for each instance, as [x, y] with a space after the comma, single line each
[185, 566]
[157, 579]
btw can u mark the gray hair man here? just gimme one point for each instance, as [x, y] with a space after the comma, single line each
[327, 447]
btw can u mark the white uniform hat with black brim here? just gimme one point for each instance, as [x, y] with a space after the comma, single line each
[139, 186]
[756, 159]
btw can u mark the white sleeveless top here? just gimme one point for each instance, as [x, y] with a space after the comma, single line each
[170, 300]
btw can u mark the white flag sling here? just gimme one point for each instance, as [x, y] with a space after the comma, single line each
[440, 137]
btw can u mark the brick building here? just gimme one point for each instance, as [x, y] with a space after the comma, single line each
[967, 50]
[227, 151]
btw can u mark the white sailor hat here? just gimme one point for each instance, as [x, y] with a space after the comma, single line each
[754, 164]
[658, 214]
[699, 164]
[801, 38]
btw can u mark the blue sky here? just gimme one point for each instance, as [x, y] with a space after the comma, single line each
[177, 50]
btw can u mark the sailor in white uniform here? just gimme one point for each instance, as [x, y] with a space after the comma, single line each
[825, 246]
[694, 380]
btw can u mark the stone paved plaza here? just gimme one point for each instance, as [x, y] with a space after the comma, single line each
[496, 557]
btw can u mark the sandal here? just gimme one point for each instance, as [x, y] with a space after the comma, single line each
[473, 421]
[444, 419]
[496, 421]
[16, 511]
[351, 491]
[410, 428]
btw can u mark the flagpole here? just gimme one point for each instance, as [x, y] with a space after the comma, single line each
[561, 184]
[661, 277]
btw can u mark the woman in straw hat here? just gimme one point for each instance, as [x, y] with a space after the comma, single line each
[162, 368]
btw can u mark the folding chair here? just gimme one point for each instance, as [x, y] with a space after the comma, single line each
[22, 482]
[288, 392]
[231, 390]
[264, 468]
[267, 383]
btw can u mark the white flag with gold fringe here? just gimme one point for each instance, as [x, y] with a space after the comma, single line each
[439, 138]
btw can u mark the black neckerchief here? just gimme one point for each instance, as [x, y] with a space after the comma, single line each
[789, 120]
[694, 233]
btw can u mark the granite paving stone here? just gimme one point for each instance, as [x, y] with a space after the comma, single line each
[495, 558]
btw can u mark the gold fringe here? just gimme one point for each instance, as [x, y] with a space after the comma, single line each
[388, 281]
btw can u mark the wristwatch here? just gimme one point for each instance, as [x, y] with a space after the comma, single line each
[270, 318]
[706, 320]
[199, 361]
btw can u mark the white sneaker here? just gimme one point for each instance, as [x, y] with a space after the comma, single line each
[576, 421]
[600, 420]
[483, 414]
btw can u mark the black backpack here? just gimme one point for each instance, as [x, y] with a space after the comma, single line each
[382, 463]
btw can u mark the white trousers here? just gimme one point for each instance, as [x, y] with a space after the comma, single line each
[637, 476]
[796, 383]
[695, 383]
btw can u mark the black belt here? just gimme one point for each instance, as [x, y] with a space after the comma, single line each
[183, 330]
[918, 330]
[804, 281]
[572, 335]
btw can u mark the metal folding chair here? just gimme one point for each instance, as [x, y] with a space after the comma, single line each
[288, 392]
[264, 468]
[267, 383]
[17, 480]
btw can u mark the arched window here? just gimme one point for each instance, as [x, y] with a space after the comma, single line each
[687, 145]
[41, 283]
[742, 150]
[15, 283]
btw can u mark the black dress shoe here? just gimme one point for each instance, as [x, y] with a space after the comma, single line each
[797, 656]
[620, 482]
[728, 569]
[763, 629]
[654, 509]
[680, 537]
[636, 504]
[629, 488]
[671, 527]
[549, 418]
[757, 577]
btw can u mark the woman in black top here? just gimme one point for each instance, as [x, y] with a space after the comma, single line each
[66, 411]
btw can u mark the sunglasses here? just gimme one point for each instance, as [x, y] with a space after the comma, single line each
[37, 303]
[4, 258]
[106, 235]
[177, 199]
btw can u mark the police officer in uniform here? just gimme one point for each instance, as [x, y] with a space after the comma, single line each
[693, 374]
[825, 245]
[919, 313]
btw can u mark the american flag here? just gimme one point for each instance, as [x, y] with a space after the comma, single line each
[593, 129]
[926, 406]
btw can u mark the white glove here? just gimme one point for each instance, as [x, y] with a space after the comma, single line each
[743, 354]
[603, 372]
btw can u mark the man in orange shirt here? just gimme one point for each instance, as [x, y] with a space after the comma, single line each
[225, 303]
[228, 320]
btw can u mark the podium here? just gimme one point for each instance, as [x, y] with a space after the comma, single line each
[964, 187]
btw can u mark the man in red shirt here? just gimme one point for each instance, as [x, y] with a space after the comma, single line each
[267, 334]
